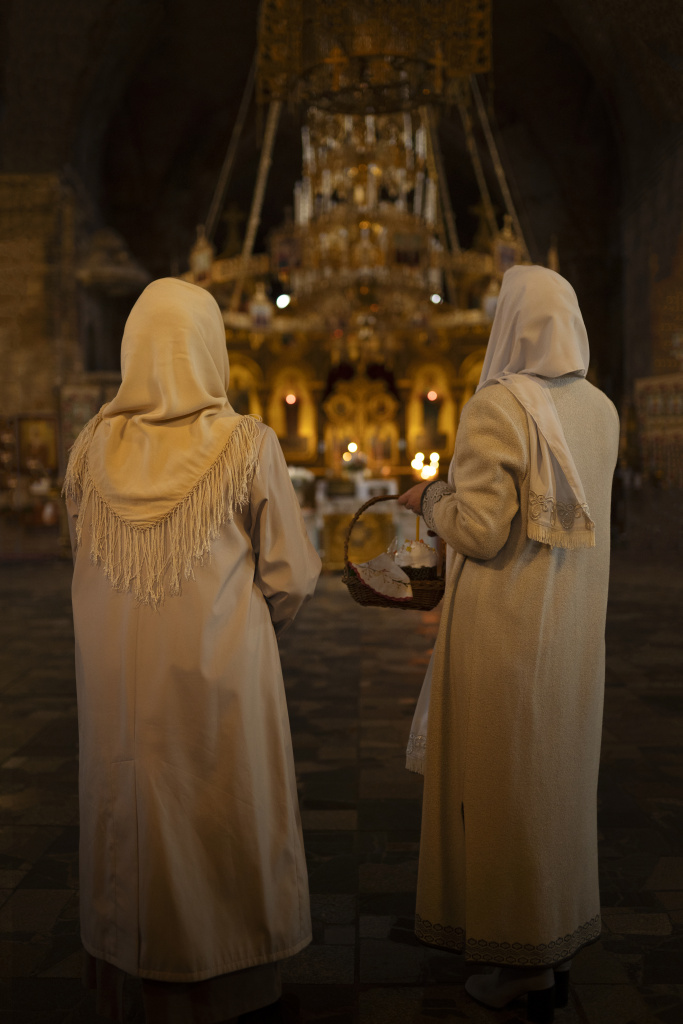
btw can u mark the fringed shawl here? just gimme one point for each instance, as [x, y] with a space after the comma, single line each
[136, 557]
[168, 462]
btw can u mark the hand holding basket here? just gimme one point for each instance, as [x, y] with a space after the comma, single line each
[427, 592]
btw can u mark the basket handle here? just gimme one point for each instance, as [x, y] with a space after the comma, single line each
[359, 513]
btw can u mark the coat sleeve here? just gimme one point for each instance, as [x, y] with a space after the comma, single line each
[287, 565]
[491, 460]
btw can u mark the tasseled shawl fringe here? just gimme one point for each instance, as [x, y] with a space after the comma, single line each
[136, 558]
[561, 524]
[576, 538]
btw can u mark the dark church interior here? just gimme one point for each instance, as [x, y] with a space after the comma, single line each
[146, 139]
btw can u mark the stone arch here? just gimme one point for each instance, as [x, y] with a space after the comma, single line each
[246, 381]
[429, 431]
[298, 429]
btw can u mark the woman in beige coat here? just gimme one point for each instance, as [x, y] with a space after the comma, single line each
[190, 556]
[510, 746]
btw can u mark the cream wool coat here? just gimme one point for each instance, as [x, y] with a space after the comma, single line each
[508, 860]
[191, 858]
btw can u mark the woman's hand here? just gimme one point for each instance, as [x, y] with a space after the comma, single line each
[412, 499]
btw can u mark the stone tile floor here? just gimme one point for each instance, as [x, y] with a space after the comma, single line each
[353, 676]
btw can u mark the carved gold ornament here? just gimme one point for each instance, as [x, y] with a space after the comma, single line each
[368, 56]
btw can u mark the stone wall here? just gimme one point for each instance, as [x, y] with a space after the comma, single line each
[38, 332]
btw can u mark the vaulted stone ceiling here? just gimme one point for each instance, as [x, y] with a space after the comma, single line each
[136, 99]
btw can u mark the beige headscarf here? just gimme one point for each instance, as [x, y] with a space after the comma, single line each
[538, 333]
[167, 461]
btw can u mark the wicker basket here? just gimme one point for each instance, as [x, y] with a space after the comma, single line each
[426, 592]
[420, 572]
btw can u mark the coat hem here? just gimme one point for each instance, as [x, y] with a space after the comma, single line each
[511, 954]
[211, 972]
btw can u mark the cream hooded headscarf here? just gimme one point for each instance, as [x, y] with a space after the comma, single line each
[538, 333]
[167, 461]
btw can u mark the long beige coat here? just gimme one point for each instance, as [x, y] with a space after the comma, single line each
[191, 857]
[508, 861]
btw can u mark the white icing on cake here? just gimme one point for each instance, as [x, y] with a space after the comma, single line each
[416, 554]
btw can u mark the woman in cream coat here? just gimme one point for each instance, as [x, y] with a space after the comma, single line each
[190, 556]
[510, 747]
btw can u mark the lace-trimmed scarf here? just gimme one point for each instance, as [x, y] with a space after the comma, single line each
[538, 332]
[160, 469]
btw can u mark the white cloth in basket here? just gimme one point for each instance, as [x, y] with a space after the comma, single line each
[383, 576]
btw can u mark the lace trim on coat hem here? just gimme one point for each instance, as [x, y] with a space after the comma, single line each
[432, 494]
[510, 953]
[447, 936]
[417, 745]
[415, 753]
